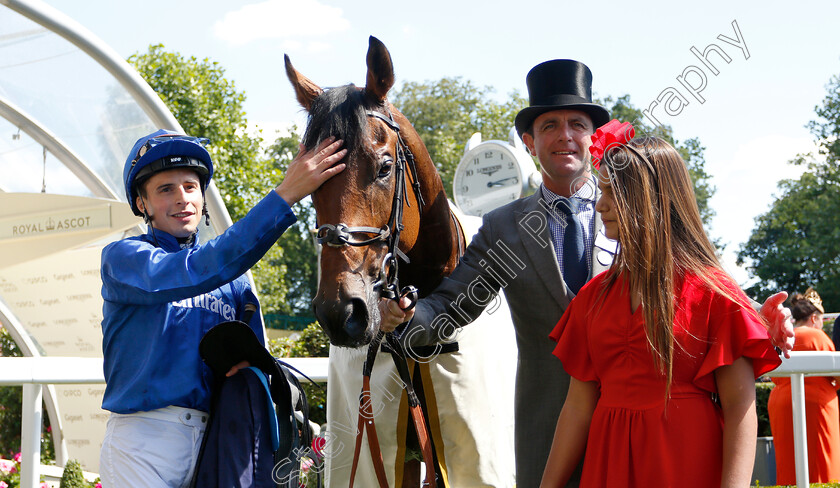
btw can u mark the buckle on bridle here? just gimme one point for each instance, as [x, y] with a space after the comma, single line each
[340, 235]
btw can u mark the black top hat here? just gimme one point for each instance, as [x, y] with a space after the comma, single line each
[559, 84]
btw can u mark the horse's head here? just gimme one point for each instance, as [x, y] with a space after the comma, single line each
[359, 209]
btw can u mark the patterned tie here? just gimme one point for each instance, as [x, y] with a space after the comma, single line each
[575, 271]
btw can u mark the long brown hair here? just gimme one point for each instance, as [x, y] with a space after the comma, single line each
[661, 235]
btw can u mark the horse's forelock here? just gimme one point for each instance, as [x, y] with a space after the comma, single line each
[338, 112]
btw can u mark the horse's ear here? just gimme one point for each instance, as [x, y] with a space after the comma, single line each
[380, 75]
[305, 89]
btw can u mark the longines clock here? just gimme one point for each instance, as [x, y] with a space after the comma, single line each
[493, 173]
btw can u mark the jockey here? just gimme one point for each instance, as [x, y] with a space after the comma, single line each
[163, 290]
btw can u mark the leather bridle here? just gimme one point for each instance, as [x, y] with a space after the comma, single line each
[340, 235]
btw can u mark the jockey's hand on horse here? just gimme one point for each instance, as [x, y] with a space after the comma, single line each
[780, 324]
[310, 169]
[393, 314]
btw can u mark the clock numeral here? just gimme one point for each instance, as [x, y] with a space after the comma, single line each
[476, 162]
[488, 154]
[470, 172]
[465, 189]
[510, 165]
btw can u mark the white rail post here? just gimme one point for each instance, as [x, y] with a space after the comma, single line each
[800, 439]
[30, 435]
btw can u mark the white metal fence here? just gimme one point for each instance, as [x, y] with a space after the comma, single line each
[33, 373]
[800, 365]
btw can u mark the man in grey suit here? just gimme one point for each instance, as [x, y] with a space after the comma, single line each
[522, 249]
[539, 250]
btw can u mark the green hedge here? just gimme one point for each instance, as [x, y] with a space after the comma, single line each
[812, 485]
[762, 394]
[312, 343]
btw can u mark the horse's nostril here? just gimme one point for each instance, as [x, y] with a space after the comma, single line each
[357, 319]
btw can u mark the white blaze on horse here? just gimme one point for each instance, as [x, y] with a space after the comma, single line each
[388, 209]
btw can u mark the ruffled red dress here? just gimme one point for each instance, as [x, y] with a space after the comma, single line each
[636, 438]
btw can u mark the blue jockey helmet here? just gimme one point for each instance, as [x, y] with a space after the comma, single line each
[160, 151]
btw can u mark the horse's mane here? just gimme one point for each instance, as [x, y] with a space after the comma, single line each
[339, 112]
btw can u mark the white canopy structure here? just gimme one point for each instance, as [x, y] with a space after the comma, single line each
[70, 110]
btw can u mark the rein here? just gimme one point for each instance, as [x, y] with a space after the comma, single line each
[342, 235]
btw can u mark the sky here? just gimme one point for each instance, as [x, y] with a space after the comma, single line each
[750, 115]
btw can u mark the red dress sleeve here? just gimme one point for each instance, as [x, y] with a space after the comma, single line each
[735, 331]
[572, 335]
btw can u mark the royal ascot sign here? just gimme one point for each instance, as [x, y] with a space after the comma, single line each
[34, 225]
[56, 222]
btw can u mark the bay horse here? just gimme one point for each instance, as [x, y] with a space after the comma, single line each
[390, 193]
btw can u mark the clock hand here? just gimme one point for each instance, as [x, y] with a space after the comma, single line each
[502, 182]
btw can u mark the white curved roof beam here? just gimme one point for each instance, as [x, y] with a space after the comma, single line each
[58, 149]
[47, 16]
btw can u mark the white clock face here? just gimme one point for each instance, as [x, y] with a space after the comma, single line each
[488, 177]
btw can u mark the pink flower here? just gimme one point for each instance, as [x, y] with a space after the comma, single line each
[318, 445]
[17, 458]
[3, 484]
[98, 485]
[44, 484]
[7, 466]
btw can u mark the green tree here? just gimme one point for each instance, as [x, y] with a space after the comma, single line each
[206, 104]
[11, 398]
[691, 150]
[447, 112]
[794, 244]
[10, 403]
[313, 343]
[73, 477]
[299, 260]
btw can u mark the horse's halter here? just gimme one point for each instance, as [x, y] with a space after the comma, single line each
[340, 235]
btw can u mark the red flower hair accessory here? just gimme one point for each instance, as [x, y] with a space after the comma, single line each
[611, 134]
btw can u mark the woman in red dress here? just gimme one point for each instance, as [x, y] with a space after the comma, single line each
[821, 412]
[663, 348]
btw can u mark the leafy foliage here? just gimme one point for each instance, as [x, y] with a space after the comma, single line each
[10, 403]
[11, 398]
[312, 343]
[794, 244]
[762, 395]
[447, 112]
[72, 477]
[299, 259]
[691, 150]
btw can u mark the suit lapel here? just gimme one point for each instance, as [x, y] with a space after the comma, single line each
[532, 225]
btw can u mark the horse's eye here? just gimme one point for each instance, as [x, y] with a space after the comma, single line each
[385, 170]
